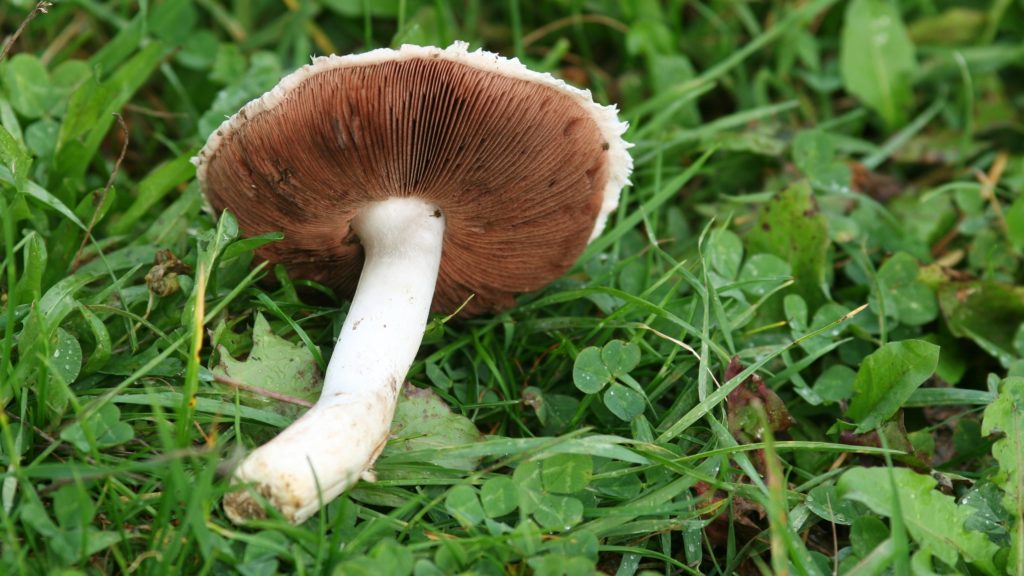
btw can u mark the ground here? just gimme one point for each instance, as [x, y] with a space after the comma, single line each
[798, 346]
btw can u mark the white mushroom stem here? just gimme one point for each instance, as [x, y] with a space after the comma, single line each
[332, 446]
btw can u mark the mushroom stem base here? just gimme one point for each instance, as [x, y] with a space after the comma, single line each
[332, 446]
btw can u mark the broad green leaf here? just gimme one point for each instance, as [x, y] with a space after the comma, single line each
[970, 200]
[76, 538]
[763, 272]
[66, 356]
[670, 72]
[526, 538]
[73, 511]
[424, 422]
[791, 228]
[15, 161]
[260, 556]
[41, 139]
[624, 402]
[824, 317]
[589, 372]
[65, 79]
[527, 477]
[725, 252]
[435, 373]
[199, 50]
[229, 63]
[933, 519]
[391, 558]
[1006, 416]
[556, 512]
[463, 504]
[814, 155]
[921, 564]
[989, 253]
[581, 543]
[68, 544]
[990, 313]
[566, 473]
[274, 364]
[812, 149]
[104, 427]
[824, 501]
[876, 59]
[835, 383]
[649, 35]
[924, 219]
[28, 85]
[989, 515]
[499, 496]
[620, 357]
[172, 20]
[867, 533]
[33, 514]
[906, 299]
[99, 352]
[30, 281]
[887, 378]
[795, 309]
[394, 559]
[555, 411]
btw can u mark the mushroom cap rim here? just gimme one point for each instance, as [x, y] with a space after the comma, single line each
[620, 163]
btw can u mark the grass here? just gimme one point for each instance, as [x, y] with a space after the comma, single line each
[805, 319]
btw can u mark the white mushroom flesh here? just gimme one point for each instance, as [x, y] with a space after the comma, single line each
[335, 444]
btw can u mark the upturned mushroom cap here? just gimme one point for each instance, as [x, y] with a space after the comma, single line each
[524, 167]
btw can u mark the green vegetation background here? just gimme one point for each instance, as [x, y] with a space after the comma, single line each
[795, 161]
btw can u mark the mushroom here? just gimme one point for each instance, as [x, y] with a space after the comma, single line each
[430, 175]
